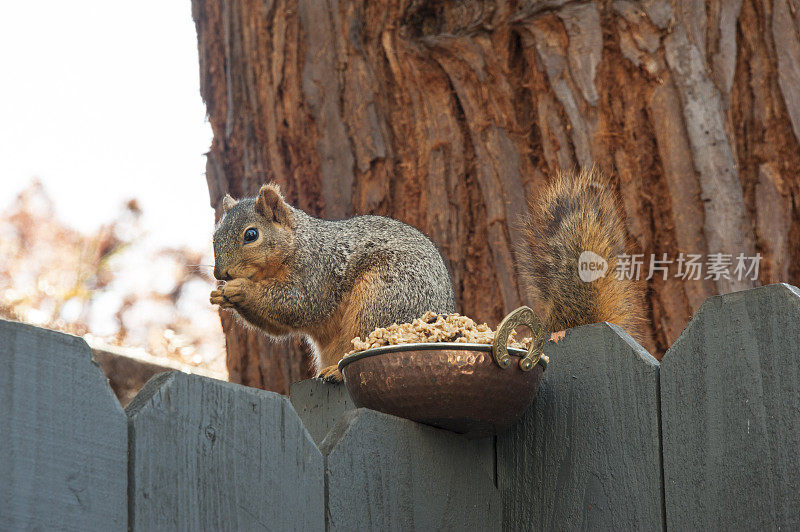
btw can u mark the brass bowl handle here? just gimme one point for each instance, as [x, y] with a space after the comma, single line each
[521, 316]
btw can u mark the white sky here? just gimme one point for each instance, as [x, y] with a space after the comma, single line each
[100, 101]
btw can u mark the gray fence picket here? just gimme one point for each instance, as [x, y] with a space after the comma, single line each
[730, 399]
[64, 459]
[586, 454]
[319, 404]
[387, 473]
[211, 455]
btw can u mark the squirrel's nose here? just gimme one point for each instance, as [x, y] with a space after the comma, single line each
[221, 275]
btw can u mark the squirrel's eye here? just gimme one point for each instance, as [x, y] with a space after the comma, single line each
[250, 235]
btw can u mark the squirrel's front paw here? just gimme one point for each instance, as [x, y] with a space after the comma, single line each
[330, 374]
[218, 299]
[235, 290]
[231, 293]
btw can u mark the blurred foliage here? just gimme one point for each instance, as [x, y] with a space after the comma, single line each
[111, 287]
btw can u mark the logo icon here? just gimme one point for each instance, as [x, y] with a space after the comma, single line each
[591, 266]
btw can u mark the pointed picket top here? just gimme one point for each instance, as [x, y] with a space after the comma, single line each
[65, 440]
[586, 453]
[784, 295]
[730, 400]
[320, 404]
[384, 472]
[208, 454]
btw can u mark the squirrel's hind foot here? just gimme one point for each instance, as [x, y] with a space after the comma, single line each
[330, 374]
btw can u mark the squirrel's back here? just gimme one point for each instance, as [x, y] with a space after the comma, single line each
[577, 215]
[407, 272]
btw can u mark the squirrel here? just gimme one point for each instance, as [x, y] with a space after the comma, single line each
[286, 272]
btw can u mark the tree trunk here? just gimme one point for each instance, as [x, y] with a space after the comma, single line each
[447, 115]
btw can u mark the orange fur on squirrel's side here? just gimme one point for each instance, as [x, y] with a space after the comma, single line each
[576, 213]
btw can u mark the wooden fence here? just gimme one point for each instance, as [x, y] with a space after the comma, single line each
[708, 438]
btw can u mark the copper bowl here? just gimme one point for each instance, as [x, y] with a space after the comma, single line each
[473, 389]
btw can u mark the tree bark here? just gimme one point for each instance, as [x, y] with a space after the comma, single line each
[447, 115]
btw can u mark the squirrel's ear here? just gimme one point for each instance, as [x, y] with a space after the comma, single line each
[271, 205]
[228, 203]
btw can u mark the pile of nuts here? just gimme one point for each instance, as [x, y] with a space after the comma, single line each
[432, 327]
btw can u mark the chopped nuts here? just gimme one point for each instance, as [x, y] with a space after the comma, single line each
[432, 327]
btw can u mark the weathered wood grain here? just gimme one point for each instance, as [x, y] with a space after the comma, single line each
[320, 404]
[63, 457]
[730, 401]
[586, 454]
[211, 455]
[387, 473]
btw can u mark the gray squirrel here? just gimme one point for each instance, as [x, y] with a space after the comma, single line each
[286, 272]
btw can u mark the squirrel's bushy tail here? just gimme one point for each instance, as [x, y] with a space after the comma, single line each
[578, 213]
